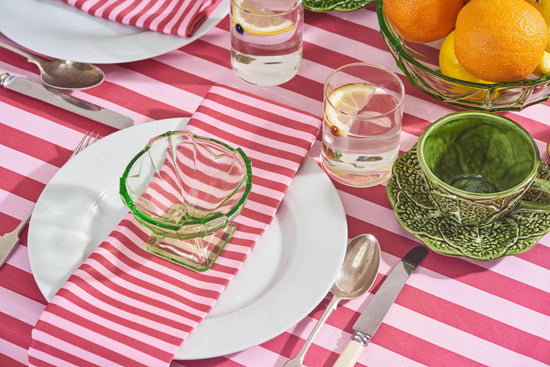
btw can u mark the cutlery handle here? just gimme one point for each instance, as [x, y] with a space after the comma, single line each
[350, 355]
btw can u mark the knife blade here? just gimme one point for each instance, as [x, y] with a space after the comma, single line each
[65, 101]
[375, 311]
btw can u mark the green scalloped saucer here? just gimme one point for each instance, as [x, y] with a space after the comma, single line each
[417, 214]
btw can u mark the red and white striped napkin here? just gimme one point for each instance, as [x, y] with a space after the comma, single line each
[178, 17]
[127, 307]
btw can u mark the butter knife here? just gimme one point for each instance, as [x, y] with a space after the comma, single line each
[65, 101]
[375, 311]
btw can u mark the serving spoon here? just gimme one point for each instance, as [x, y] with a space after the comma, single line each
[63, 74]
[357, 275]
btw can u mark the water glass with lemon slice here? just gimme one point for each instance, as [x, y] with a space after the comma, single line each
[266, 40]
[363, 108]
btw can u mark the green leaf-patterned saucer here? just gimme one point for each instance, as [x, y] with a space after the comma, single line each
[417, 214]
[335, 5]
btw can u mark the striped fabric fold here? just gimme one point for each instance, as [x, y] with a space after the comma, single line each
[127, 307]
[177, 17]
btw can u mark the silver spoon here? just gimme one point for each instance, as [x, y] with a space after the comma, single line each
[63, 74]
[358, 272]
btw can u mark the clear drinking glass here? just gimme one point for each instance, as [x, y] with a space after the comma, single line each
[266, 40]
[363, 108]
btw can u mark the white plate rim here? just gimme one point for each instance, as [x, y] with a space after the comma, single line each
[321, 250]
[58, 30]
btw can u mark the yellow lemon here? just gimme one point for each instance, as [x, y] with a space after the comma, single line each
[544, 66]
[259, 21]
[344, 103]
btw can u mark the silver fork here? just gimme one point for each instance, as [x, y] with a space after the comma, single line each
[9, 241]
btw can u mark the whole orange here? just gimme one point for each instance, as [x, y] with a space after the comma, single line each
[500, 40]
[422, 20]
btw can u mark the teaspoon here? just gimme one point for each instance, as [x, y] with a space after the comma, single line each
[63, 74]
[357, 275]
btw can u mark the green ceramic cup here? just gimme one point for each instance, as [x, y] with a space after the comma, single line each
[478, 166]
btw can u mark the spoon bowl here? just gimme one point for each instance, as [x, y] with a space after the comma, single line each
[357, 275]
[63, 74]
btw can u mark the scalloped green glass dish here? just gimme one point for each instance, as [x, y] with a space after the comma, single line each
[420, 63]
[335, 5]
[415, 211]
[187, 190]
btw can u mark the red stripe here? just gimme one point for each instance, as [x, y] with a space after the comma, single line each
[123, 13]
[33, 146]
[464, 271]
[145, 10]
[20, 282]
[52, 113]
[114, 302]
[477, 324]
[136, 229]
[21, 338]
[108, 332]
[409, 346]
[81, 342]
[134, 101]
[155, 288]
[19, 185]
[153, 16]
[109, 9]
[94, 8]
[211, 362]
[174, 77]
[282, 120]
[164, 22]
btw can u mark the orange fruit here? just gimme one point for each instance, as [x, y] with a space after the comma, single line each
[500, 40]
[422, 20]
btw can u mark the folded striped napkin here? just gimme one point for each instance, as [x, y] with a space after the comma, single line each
[127, 307]
[178, 17]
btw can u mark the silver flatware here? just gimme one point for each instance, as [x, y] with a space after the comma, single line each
[63, 74]
[375, 311]
[9, 241]
[66, 101]
[358, 272]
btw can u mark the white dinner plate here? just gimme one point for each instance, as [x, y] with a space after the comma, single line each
[287, 274]
[56, 29]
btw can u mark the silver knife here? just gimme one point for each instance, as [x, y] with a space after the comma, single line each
[375, 311]
[65, 101]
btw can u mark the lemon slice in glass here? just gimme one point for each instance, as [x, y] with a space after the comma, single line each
[259, 21]
[345, 103]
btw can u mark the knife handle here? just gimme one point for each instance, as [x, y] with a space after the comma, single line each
[350, 355]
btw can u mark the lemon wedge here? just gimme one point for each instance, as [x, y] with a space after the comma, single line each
[259, 21]
[345, 103]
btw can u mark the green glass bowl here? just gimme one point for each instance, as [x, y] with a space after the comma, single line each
[420, 63]
[187, 190]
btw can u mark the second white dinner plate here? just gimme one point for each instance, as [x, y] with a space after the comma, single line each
[287, 274]
[56, 29]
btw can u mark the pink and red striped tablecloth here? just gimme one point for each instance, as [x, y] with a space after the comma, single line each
[452, 312]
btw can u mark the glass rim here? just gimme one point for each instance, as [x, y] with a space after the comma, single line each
[277, 13]
[126, 198]
[400, 99]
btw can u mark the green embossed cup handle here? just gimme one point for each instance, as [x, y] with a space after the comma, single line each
[543, 187]
[480, 166]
